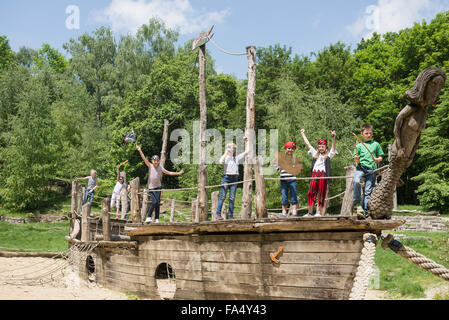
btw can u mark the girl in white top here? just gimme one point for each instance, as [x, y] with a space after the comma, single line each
[320, 168]
[115, 199]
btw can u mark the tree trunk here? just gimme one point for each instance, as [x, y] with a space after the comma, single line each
[164, 143]
[202, 174]
[145, 199]
[245, 213]
[214, 200]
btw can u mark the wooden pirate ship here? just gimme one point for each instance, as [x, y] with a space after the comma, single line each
[255, 257]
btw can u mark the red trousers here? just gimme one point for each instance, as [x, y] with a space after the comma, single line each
[317, 186]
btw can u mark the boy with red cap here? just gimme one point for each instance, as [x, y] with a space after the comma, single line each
[320, 168]
[288, 183]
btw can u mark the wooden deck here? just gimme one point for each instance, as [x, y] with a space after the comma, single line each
[300, 224]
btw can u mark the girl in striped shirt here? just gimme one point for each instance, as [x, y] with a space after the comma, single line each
[320, 168]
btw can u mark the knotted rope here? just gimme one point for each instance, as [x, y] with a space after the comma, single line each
[365, 268]
[415, 257]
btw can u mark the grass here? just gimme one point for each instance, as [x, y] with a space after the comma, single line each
[39, 237]
[401, 278]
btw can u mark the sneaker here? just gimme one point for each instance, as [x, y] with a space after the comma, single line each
[117, 217]
[362, 215]
[317, 214]
[156, 220]
[147, 220]
[307, 215]
[284, 214]
[219, 218]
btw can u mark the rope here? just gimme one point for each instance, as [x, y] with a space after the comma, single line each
[365, 268]
[415, 257]
[226, 52]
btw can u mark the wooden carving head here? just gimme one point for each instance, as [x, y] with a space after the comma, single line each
[418, 93]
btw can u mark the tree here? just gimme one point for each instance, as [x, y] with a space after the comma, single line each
[50, 56]
[6, 54]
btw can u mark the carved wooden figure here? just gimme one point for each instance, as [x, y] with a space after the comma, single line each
[409, 124]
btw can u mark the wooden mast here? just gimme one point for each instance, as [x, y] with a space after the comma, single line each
[250, 134]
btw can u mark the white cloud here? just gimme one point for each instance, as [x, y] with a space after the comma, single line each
[394, 15]
[129, 15]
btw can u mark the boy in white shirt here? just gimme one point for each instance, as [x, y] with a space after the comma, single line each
[320, 168]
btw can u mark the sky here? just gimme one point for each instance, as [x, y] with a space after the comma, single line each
[305, 26]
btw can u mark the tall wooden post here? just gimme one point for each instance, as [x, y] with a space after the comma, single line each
[85, 230]
[245, 213]
[164, 143]
[346, 206]
[135, 215]
[214, 199]
[145, 200]
[124, 195]
[79, 198]
[260, 197]
[202, 174]
[106, 218]
[73, 203]
[172, 210]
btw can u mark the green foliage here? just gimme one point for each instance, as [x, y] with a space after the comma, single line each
[6, 54]
[50, 56]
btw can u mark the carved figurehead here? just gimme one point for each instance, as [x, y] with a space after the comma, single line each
[409, 124]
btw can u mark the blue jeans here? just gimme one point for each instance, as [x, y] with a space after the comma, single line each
[286, 186]
[155, 203]
[370, 182]
[90, 195]
[224, 190]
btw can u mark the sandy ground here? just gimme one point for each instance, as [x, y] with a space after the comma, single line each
[19, 280]
[31, 279]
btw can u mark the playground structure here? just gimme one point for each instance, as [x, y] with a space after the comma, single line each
[258, 256]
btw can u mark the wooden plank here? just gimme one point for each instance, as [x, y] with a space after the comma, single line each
[219, 287]
[306, 293]
[266, 226]
[230, 257]
[313, 246]
[305, 281]
[308, 269]
[233, 277]
[321, 258]
[231, 267]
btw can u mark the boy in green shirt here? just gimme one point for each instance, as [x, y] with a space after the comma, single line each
[366, 163]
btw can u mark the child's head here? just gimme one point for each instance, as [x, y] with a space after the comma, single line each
[367, 132]
[290, 147]
[93, 173]
[155, 160]
[231, 148]
[121, 179]
[322, 146]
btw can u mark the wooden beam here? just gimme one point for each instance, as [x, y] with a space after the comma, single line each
[135, 214]
[260, 197]
[309, 224]
[245, 213]
[106, 218]
[202, 173]
[346, 206]
[85, 231]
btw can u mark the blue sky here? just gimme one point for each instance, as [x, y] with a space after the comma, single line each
[306, 26]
